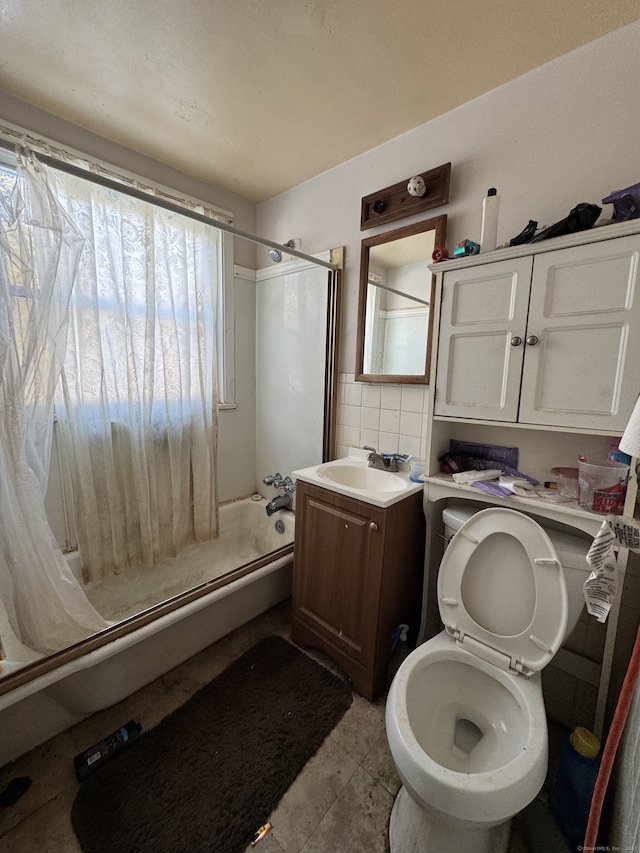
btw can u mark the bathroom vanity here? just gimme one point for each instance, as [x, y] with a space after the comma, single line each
[537, 347]
[358, 566]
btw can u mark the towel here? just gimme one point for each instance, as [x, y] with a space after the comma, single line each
[471, 477]
[518, 485]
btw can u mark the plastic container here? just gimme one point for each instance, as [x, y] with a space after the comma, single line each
[578, 764]
[567, 482]
[603, 485]
[416, 470]
[489, 232]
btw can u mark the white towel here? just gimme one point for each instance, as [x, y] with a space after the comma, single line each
[468, 477]
[518, 485]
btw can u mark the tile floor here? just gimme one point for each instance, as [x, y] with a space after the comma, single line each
[340, 803]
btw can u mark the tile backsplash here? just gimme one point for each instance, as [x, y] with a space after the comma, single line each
[391, 418]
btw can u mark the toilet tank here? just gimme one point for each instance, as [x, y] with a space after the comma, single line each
[454, 516]
[571, 549]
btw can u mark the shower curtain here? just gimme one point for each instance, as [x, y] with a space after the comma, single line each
[137, 408]
[39, 251]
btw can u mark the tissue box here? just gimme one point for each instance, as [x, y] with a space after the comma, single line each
[496, 453]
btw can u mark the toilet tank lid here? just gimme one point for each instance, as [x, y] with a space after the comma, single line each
[571, 549]
[455, 515]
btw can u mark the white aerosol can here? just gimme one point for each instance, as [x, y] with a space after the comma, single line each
[489, 233]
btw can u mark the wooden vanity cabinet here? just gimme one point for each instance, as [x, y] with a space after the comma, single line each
[357, 575]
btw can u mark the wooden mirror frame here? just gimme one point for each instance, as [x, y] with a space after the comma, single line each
[438, 224]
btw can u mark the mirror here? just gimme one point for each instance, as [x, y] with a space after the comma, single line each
[396, 289]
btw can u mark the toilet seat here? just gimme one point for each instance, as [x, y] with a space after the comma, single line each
[501, 591]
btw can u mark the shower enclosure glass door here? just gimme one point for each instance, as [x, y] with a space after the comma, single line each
[293, 302]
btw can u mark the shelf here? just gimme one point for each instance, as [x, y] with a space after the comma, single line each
[518, 425]
[441, 486]
[580, 238]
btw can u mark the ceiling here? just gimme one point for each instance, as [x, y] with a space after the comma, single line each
[258, 96]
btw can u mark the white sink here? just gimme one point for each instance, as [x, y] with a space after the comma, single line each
[360, 477]
[352, 476]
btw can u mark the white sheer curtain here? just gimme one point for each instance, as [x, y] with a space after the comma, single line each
[138, 394]
[39, 251]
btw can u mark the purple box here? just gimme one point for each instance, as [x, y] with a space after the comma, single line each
[626, 203]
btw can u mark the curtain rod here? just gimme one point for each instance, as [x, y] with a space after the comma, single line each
[103, 181]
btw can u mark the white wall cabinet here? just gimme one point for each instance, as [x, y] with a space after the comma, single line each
[536, 347]
[543, 339]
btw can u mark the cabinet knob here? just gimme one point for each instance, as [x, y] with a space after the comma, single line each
[373, 526]
[516, 341]
[532, 340]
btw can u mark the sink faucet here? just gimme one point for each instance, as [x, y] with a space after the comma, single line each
[280, 501]
[384, 461]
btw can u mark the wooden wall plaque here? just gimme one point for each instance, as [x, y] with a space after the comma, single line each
[395, 202]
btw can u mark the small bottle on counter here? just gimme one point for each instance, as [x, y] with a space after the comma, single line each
[489, 232]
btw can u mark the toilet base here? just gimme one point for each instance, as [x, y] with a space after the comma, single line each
[412, 829]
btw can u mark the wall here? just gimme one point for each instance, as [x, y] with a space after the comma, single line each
[562, 134]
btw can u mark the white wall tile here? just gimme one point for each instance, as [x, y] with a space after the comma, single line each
[370, 418]
[351, 415]
[411, 445]
[389, 442]
[370, 437]
[411, 423]
[371, 396]
[390, 397]
[413, 399]
[353, 394]
[390, 421]
[348, 436]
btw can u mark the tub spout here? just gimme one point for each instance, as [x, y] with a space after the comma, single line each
[279, 502]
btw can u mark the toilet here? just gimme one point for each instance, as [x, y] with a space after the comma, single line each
[465, 715]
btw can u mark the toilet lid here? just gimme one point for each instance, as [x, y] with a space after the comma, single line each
[501, 590]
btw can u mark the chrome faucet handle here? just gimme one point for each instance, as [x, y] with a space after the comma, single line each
[271, 479]
[402, 457]
[373, 456]
[280, 482]
[393, 458]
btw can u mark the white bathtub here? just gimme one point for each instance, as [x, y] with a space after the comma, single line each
[163, 637]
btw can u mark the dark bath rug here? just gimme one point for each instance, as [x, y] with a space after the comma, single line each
[210, 774]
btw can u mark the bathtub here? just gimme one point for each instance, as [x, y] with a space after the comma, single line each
[230, 581]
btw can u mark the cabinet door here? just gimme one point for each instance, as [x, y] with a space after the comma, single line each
[338, 569]
[581, 365]
[481, 340]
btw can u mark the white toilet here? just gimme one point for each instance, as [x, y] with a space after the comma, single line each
[465, 715]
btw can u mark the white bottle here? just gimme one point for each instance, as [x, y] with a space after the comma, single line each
[489, 233]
